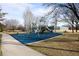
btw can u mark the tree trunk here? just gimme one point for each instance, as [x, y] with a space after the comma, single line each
[55, 27]
[72, 29]
[76, 29]
[72, 26]
[1, 27]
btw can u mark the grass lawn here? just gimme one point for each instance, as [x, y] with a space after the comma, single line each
[0, 46]
[64, 45]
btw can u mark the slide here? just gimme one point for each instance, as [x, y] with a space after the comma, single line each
[48, 29]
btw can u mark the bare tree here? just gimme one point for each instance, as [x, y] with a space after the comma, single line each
[75, 10]
[2, 14]
[21, 27]
[70, 6]
[54, 14]
[69, 18]
[11, 24]
[28, 19]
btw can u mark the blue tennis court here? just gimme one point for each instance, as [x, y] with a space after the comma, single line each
[34, 37]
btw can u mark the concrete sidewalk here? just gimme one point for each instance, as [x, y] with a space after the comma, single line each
[12, 47]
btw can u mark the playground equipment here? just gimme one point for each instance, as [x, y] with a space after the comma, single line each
[42, 26]
[35, 24]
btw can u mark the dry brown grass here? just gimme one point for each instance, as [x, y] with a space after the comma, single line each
[65, 45]
[14, 32]
[0, 46]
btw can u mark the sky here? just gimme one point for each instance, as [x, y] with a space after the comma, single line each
[16, 10]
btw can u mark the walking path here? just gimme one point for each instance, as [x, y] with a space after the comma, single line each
[12, 47]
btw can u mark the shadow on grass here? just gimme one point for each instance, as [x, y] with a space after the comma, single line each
[62, 41]
[53, 48]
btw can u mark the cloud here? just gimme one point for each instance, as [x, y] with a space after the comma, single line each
[16, 10]
[41, 11]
